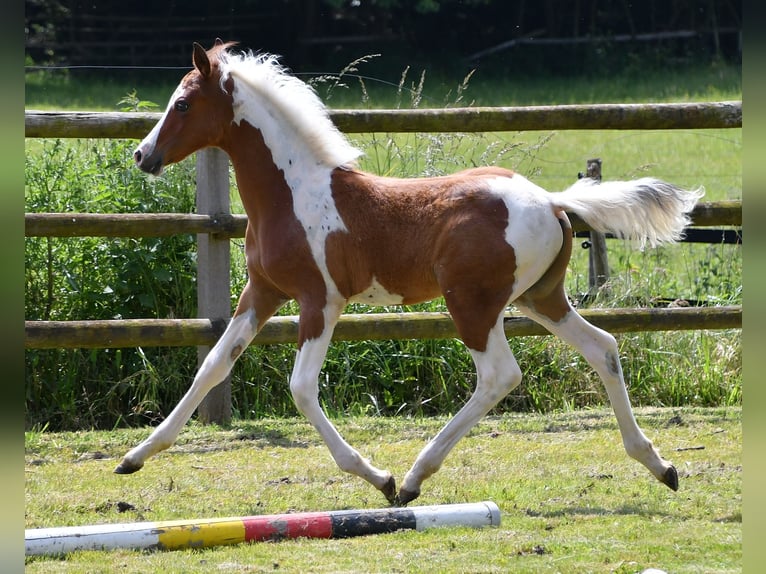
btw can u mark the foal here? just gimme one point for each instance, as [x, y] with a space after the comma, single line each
[325, 234]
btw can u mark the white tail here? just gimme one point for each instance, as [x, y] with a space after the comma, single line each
[644, 210]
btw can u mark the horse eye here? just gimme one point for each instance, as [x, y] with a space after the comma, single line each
[182, 106]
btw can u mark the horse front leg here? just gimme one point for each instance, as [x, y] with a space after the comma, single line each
[304, 386]
[497, 374]
[255, 307]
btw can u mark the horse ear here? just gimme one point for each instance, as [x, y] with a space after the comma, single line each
[200, 60]
[218, 42]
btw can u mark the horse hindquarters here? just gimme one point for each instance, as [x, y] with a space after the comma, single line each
[546, 302]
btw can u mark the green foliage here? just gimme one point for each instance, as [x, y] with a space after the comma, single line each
[93, 278]
[132, 103]
[98, 278]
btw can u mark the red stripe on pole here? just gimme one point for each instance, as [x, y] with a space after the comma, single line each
[277, 527]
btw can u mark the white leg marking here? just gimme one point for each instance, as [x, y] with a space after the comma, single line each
[600, 350]
[497, 374]
[305, 390]
[216, 366]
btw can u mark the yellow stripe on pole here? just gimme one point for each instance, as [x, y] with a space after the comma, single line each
[199, 534]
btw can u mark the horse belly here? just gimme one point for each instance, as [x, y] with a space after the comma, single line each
[377, 294]
[404, 289]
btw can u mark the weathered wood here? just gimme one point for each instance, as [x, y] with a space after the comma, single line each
[132, 224]
[355, 327]
[687, 115]
[110, 334]
[213, 270]
[118, 125]
[711, 214]
[715, 213]
[598, 260]
[532, 118]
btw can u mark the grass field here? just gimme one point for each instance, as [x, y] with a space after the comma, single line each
[94, 278]
[352, 88]
[571, 500]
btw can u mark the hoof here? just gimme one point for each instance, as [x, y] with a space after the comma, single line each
[127, 468]
[670, 478]
[406, 496]
[389, 490]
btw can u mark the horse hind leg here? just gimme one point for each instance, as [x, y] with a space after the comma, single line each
[497, 374]
[599, 348]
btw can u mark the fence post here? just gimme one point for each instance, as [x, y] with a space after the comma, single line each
[598, 265]
[213, 270]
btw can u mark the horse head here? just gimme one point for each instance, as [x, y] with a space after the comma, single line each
[196, 117]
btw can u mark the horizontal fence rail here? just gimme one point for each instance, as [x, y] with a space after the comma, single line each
[217, 228]
[707, 214]
[695, 115]
[355, 327]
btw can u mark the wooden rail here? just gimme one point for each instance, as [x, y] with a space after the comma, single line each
[700, 115]
[227, 225]
[354, 327]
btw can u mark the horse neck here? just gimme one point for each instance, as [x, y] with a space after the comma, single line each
[275, 190]
[262, 185]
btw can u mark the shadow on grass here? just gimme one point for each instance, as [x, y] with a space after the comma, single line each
[624, 510]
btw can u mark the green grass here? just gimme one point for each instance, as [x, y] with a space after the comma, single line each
[571, 500]
[355, 87]
[108, 278]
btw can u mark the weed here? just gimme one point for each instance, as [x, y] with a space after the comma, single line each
[93, 278]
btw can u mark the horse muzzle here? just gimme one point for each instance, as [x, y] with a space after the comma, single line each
[151, 163]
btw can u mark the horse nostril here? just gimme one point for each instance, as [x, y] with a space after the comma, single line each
[137, 156]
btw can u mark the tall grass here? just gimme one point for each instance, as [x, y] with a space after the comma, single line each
[96, 278]
[92, 278]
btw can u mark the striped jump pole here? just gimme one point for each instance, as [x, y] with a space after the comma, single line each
[202, 533]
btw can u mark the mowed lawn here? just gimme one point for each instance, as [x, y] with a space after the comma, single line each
[571, 500]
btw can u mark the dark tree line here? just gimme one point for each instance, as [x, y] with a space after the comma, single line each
[316, 32]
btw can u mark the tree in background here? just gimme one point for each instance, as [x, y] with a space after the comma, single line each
[320, 32]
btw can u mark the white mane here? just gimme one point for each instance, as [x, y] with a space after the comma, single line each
[284, 108]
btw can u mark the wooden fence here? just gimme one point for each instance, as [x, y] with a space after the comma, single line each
[215, 226]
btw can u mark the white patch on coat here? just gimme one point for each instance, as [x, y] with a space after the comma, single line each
[376, 294]
[148, 144]
[304, 143]
[533, 230]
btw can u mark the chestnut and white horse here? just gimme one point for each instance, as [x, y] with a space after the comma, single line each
[323, 233]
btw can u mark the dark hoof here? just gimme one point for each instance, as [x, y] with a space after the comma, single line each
[405, 497]
[127, 468]
[389, 490]
[670, 478]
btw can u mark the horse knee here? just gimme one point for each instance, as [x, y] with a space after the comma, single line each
[513, 377]
[304, 392]
[495, 384]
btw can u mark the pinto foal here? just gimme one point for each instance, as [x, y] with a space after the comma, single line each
[325, 234]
